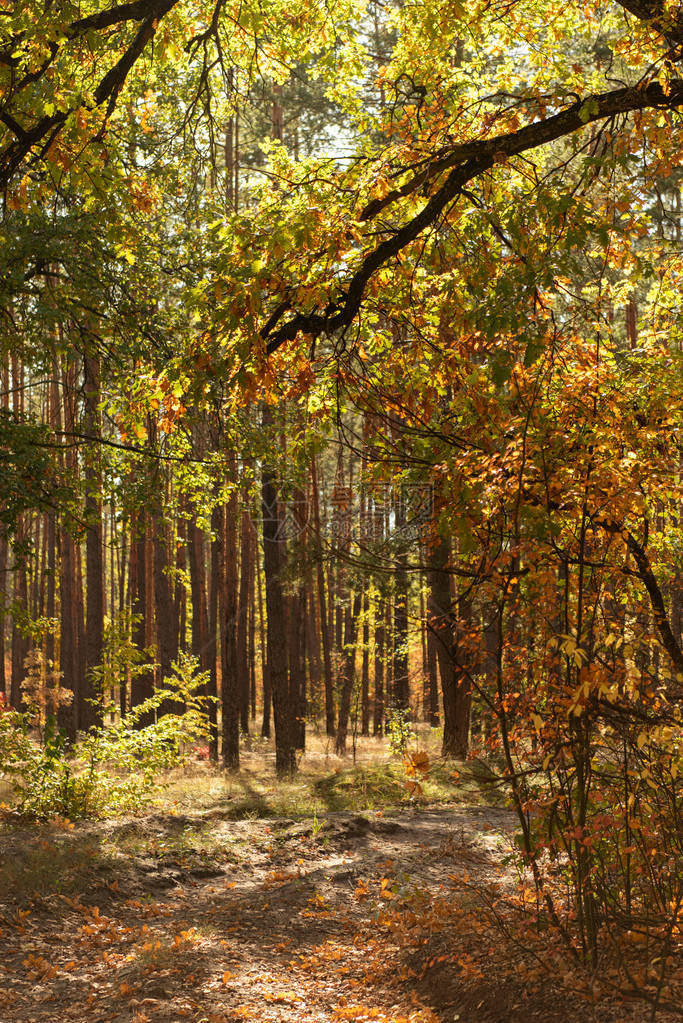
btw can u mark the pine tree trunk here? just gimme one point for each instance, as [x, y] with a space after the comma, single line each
[348, 675]
[89, 696]
[365, 669]
[284, 713]
[4, 548]
[401, 687]
[200, 623]
[20, 643]
[230, 696]
[142, 685]
[68, 653]
[297, 677]
[214, 585]
[166, 622]
[455, 685]
[265, 667]
[324, 622]
[246, 577]
[432, 672]
[378, 704]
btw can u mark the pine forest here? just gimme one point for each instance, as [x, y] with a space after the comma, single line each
[341, 511]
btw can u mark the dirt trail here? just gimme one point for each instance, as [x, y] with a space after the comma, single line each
[349, 917]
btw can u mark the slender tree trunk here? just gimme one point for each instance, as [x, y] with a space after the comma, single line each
[4, 547]
[142, 685]
[348, 675]
[378, 705]
[89, 696]
[365, 669]
[265, 666]
[401, 689]
[20, 643]
[200, 622]
[230, 696]
[432, 673]
[68, 648]
[214, 584]
[324, 623]
[246, 576]
[180, 592]
[166, 621]
[454, 680]
[251, 654]
[297, 678]
[285, 739]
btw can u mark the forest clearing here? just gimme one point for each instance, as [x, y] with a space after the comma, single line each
[341, 510]
[211, 908]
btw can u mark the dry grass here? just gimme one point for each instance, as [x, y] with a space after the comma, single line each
[370, 779]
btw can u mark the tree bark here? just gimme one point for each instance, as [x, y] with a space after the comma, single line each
[285, 739]
[89, 697]
[230, 703]
[348, 675]
[455, 687]
[324, 622]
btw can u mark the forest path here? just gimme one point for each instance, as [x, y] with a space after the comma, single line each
[198, 917]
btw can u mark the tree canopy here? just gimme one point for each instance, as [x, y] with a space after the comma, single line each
[340, 348]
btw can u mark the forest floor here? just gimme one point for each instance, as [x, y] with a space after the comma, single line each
[215, 910]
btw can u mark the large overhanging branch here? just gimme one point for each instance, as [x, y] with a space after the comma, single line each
[463, 164]
[670, 27]
[27, 142]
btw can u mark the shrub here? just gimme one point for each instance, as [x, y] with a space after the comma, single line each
[110, 769]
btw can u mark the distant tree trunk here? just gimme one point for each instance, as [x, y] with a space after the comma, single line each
[89, 711]
[433, 679]
[230, 697]
[142, 685]
[200, 622]
[214, 584]
[180, 592]
[454, 680]
[20, 643]
[265, 667]
[70, 656]
[166, 620]
[378, 705]
[51, 594]
[424, 644]
[297, 677]
[251, 653]
[348, 675]
[4, 548]
[389, 643]
[365, 668]
[401, 688]
[324, 623]
[312, 641]
[285, 739]
[80, 615]
[68, 652]
[246, 579]
[297, 622]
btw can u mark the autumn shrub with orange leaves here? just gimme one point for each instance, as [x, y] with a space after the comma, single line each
[555, 461]
[569, 513]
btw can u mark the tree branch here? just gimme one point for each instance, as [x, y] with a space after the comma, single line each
[465, 163]
[26, 140]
